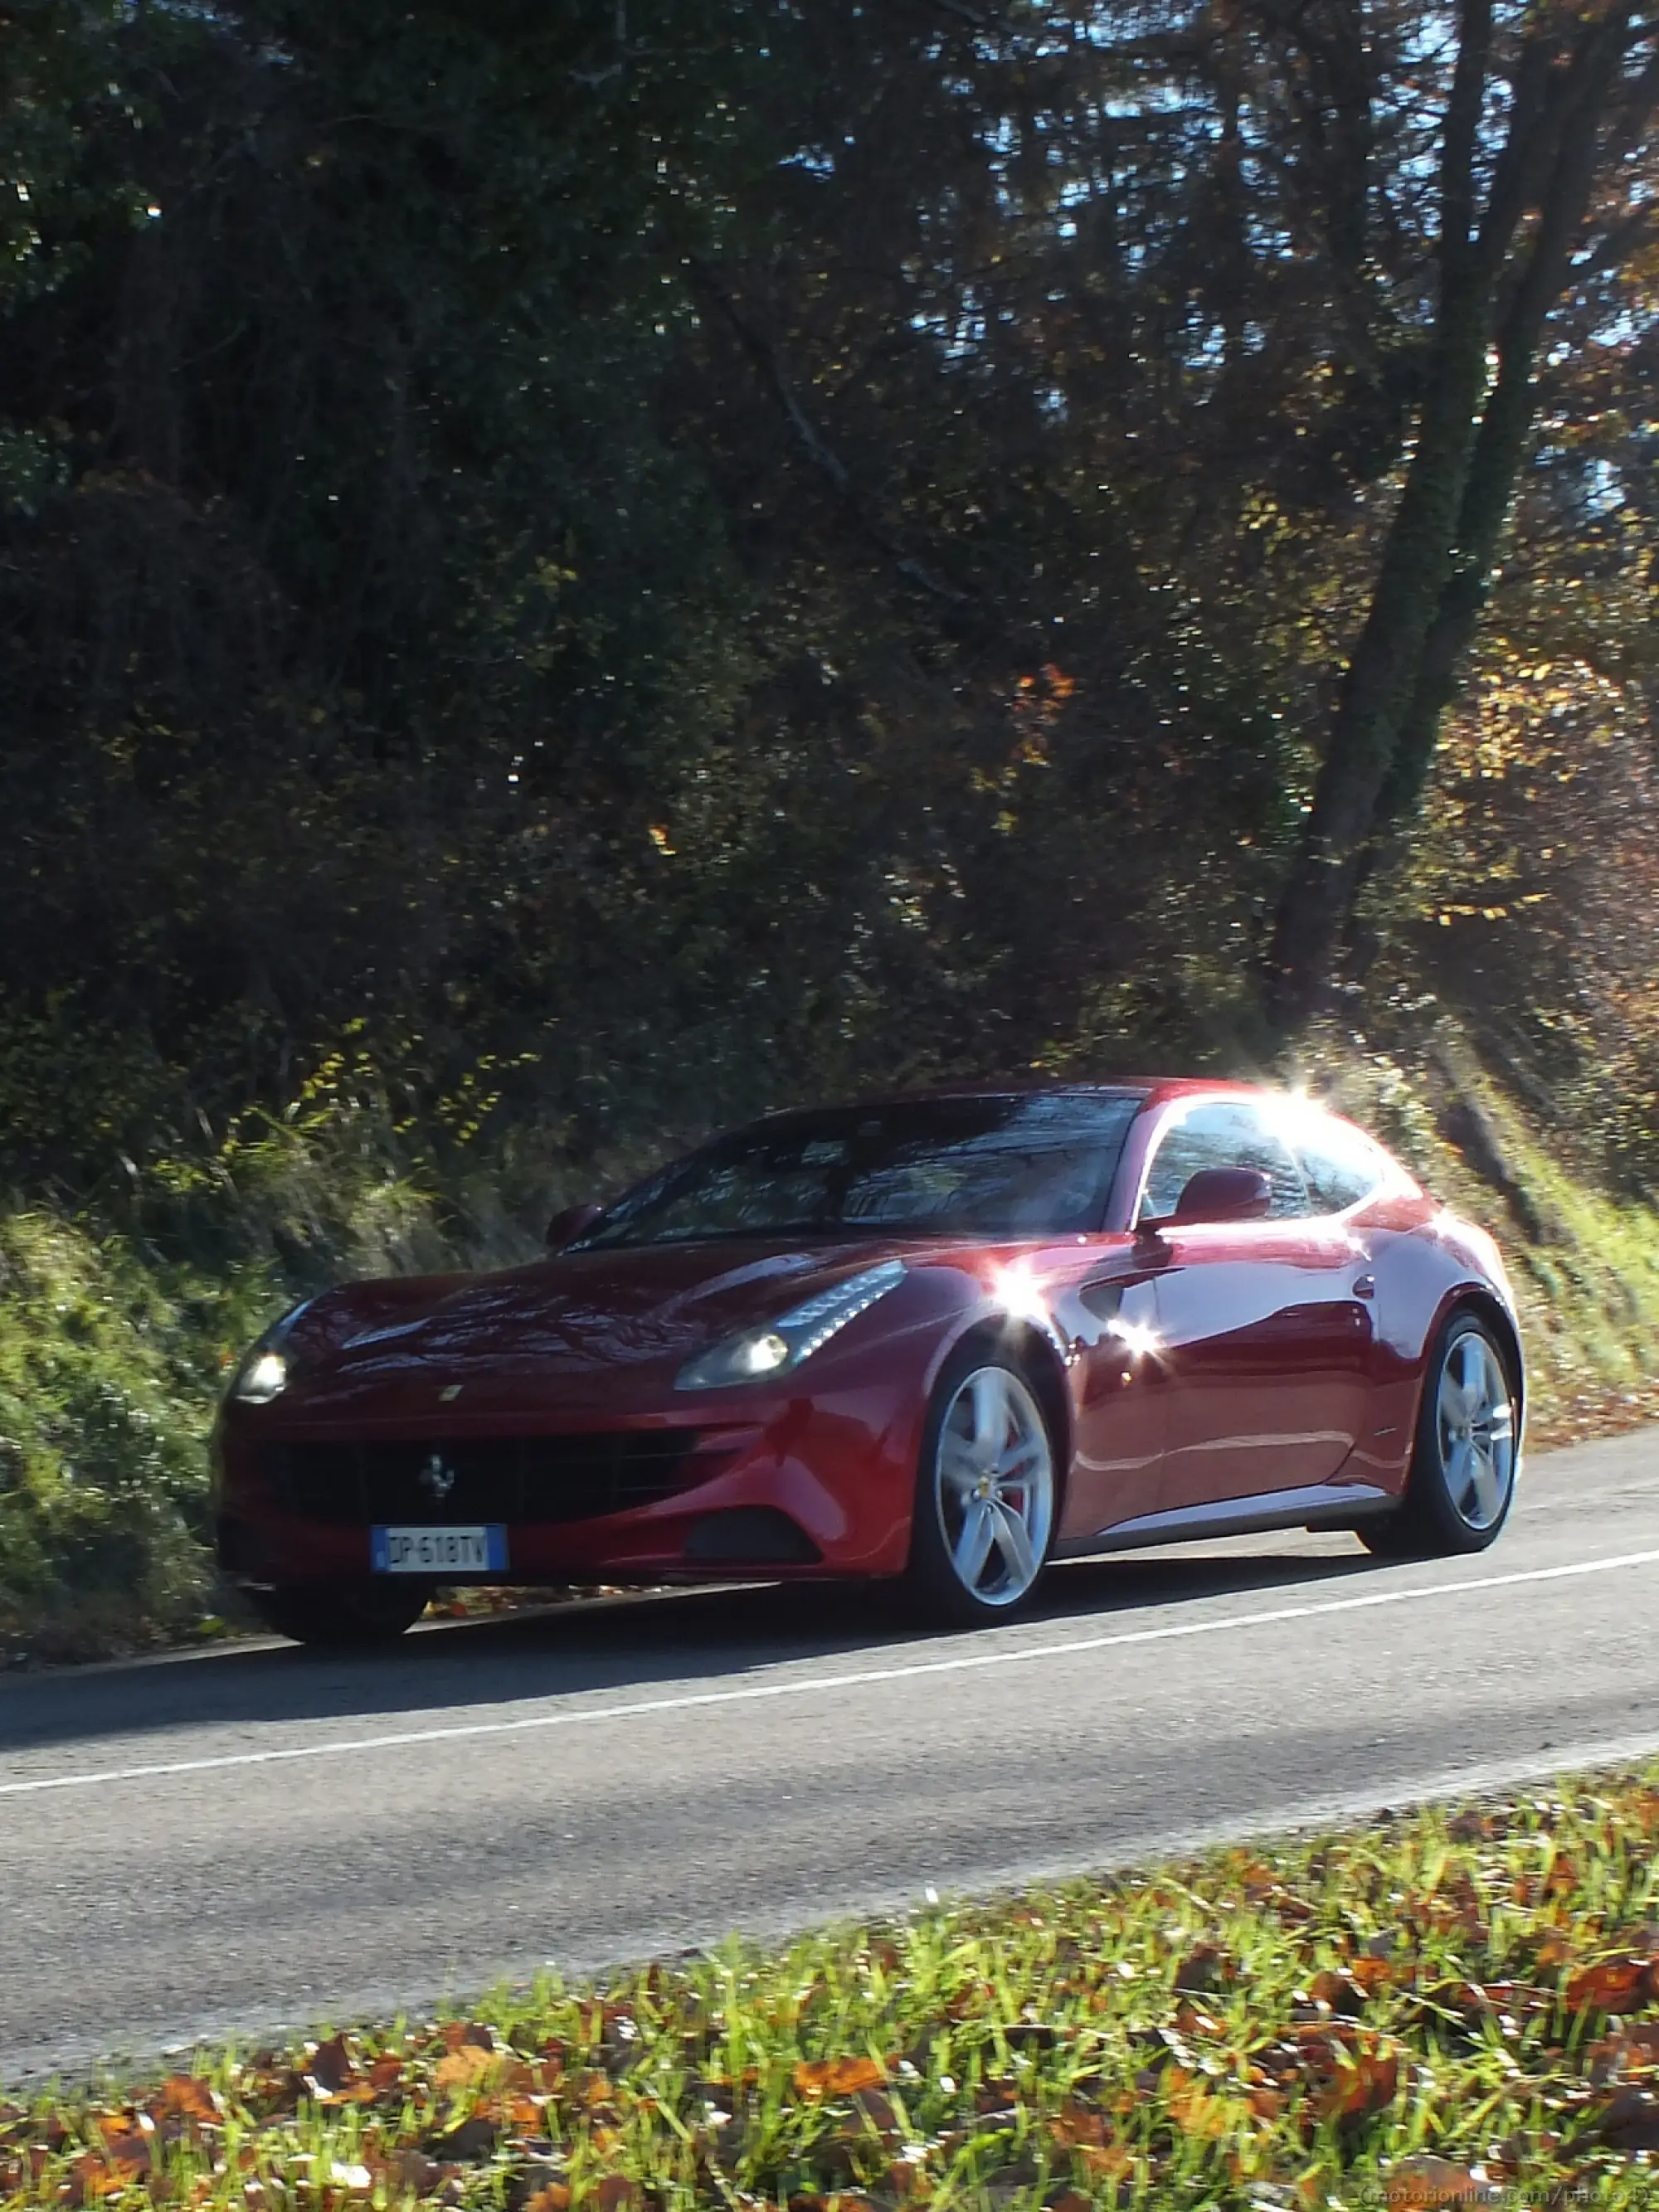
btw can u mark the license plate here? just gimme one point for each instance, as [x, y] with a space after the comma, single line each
[439, 1551]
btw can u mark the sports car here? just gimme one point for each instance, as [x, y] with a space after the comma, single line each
[943, 1340]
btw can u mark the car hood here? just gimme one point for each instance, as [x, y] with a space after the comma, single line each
[580, 1328]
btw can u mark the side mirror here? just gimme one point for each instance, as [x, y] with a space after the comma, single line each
[567, 1225]
[1224, 1194]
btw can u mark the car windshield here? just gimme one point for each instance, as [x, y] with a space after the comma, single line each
[990, 1166]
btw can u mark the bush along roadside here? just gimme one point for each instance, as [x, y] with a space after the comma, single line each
[110, 1364]
[1440, 2009]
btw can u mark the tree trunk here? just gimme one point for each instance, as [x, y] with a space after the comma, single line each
[1501, 446]
[1442, 543]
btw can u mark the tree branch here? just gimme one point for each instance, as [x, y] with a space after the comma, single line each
[765, 357]
[1463, 132]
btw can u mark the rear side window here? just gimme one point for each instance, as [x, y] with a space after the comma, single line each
[1341, 1167]
[1224, 1133]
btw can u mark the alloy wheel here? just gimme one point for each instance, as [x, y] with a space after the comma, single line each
[994, 1486]
[1474, 1422]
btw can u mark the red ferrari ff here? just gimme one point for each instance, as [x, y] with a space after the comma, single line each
[948, 1338]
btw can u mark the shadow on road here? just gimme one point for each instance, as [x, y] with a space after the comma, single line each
[621, 1644]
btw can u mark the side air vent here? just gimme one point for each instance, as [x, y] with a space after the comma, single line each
[758, 1535]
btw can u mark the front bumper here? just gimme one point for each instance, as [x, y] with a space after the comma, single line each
[800, 1487]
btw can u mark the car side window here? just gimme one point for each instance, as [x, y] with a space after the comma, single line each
[1340, 1166]
[1223, 1134]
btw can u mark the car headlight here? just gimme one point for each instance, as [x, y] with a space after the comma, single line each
[264, 1372]
[776, 1346]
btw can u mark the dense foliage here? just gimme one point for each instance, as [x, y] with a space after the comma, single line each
[797, 544]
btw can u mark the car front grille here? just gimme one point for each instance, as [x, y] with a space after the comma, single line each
[483, 1478]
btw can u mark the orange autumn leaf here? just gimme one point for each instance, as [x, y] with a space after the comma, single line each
[1195, 2111]
[1074, 2127]
[1362, 2085]
[1425, 2183]
[123, 2157]
[124, 2140]
[837, 2077]
[186, 2097]
[386, 2074]
[1614, 1985]
[90, 2178]
[1340, 1988]
[1553, 1950]
[551, 2196]
[1111, 2162]
[463, 2067]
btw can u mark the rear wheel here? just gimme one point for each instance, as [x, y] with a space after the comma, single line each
[986, 1490]
[343, 1616]
[1462, 1473]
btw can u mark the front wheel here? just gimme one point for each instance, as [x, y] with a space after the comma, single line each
[341, 1616]
[985, 1489]
[1462, 1482]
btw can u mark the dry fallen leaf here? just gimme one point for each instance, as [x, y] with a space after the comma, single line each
[1075, 2128]
[185, 2097]
[330, 2069]
[1205, 1967]
[1634, 2050]
[1425, 2183]
[1112, 2162]
[1613, 1985]
[1342, 1990]
[1352, 2082]
[837, 2077]
[1193, 2109]
[463, 2068]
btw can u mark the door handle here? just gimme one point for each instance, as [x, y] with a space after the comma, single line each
[1365, 1287]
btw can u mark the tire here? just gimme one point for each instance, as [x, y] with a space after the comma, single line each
[339, 1616]
[988, 1494]
[1461, 1481]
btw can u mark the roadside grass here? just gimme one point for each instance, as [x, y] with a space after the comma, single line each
[1584, 1260]
[1444, 2007]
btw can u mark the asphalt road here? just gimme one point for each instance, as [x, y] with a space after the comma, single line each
[258, 1837]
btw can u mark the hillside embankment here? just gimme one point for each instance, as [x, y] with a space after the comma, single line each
[118, 1321]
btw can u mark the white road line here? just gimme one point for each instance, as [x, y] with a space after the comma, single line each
[817, 1684]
